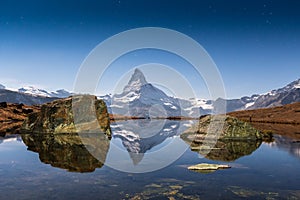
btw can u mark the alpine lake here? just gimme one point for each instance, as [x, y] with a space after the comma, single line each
[148, 163]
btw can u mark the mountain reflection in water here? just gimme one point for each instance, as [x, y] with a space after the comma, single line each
[140, 136]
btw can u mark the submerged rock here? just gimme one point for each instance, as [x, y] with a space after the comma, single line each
[58, 116]
[206, 168]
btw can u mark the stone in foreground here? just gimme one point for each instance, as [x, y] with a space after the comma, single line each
[90, 115]
[207, 168]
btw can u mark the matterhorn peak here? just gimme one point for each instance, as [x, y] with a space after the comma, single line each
[136, 81]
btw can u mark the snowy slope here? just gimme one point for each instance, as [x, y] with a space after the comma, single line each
[34, 91]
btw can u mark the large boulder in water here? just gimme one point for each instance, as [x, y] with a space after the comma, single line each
[90, 115]
[223, 127]
[222, 138]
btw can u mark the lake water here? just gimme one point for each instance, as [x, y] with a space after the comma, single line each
[60, 167]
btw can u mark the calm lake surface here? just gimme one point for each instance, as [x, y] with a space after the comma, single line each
[61, 168]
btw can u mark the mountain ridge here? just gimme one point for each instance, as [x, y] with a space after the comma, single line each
[141, 99]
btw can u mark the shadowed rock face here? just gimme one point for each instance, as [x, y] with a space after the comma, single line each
[58, 116]
[68, 151]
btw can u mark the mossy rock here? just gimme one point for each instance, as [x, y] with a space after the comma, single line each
[59, 116]
[222, 127]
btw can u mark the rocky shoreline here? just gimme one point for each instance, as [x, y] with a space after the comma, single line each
[13, 116]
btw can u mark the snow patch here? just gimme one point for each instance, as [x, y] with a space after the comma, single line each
[297, 86]
[249, 104]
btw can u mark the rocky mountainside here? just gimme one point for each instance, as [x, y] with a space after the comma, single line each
[282, 96]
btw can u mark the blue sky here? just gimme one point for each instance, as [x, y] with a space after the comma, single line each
[255, 44]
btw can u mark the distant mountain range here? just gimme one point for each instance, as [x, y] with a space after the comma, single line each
[282, 96]
[142, 99]
[30, 95]
[43, 93]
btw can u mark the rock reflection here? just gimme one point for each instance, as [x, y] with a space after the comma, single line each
[292, 146]
[226, 150]
[67, 151]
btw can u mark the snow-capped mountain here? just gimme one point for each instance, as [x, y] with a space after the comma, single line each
[30, 95]
[40, 92]
[18, 97]
[2, 87]
[142, 99]
[282, 96]
[33, 91]
[238, 104]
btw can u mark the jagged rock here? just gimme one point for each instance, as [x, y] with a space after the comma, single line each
[57, 116]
